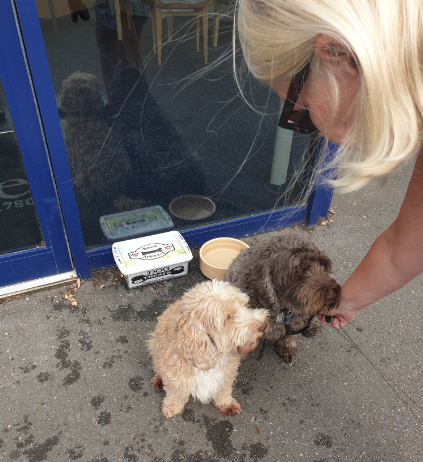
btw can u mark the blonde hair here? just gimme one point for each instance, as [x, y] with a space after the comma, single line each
[386, 39]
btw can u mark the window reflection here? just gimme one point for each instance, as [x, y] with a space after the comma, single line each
[140, 131]
[19, 227]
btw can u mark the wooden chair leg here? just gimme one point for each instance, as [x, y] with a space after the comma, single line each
[118, 19]
[169, 26]
[153, 29]
[159, 35]
[128, 13]
[216, 20]
[205, 32]
[197, 35]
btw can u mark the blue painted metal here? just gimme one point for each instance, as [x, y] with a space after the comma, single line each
[318, 202]
[240, 227]
[18, 91]
[37, 61]
[26, 266]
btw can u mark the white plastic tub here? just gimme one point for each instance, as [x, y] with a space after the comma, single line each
[151, 259]
[135, 222]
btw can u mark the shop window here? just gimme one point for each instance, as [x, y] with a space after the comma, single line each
[153, 133]
[19, 227]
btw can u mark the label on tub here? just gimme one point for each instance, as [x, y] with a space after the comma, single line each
[152, 251]
[166, 272]
[141, 221]
[152, 258]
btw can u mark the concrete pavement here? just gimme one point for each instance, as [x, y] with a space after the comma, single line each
[75, 374]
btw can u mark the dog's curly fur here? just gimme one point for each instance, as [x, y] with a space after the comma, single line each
[286, 271]
[101, 174]
[98, 166]
[198, 343]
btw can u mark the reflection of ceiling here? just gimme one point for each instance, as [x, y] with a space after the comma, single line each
[60, 7]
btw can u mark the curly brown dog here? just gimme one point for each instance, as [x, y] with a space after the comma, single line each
[290, 277]
[198, 344]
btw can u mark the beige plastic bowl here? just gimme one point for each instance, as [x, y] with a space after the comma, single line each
[192, 207]
[216, 256]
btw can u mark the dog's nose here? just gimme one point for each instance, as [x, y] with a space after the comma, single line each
[263, 327]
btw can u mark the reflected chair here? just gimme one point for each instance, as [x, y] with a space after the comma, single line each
[216, 17]
[198, 8]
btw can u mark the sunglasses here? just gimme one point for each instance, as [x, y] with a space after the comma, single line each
[298, 121]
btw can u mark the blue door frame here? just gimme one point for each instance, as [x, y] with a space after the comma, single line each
[84, 261]
[54, 257]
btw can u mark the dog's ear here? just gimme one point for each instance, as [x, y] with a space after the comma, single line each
[326, 262]
[331, 301]
[195, 341]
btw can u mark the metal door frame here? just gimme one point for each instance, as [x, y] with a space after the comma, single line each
[54, 258]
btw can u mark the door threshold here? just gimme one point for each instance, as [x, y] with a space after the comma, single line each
[23, 287]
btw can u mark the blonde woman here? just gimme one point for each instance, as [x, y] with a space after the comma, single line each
[351, 70]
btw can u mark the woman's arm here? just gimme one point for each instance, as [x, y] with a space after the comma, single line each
[394, 259]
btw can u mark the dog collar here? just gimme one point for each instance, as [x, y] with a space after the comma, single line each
[288, 330]
[287, 316]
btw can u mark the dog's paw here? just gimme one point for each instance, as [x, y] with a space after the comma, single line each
[168, 412]
[311, 330]
[157, 383]
[231, 409]
[171, 408]
[287, 353]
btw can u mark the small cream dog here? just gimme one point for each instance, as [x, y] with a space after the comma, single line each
[198, 344]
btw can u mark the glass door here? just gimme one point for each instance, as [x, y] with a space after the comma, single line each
[20, 227]
[33, 242]
[153, 125]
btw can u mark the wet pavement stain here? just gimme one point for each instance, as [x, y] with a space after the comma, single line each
[124, 313]
[62, 333]
[136, 383]
[62, 354]
[109, 363]
[85, 341]
[245, 387]
[122, 339]
[73, 376]
[75, 453]
[188, 415]
[97, 401]
[257, 451]
[25, 427]
[39, 452]
[219, 436]
[179, 455]
[26, 442]
[104, 418]
[323, 440]
[129, 313]
[43, 377]
[28, 368]
[129, 454]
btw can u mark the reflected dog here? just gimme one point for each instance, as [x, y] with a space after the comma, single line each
[290, 277]
[198, 344]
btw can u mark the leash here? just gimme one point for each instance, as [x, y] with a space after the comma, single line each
[392, 385]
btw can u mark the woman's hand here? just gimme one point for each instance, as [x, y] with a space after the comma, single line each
[340, 317]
